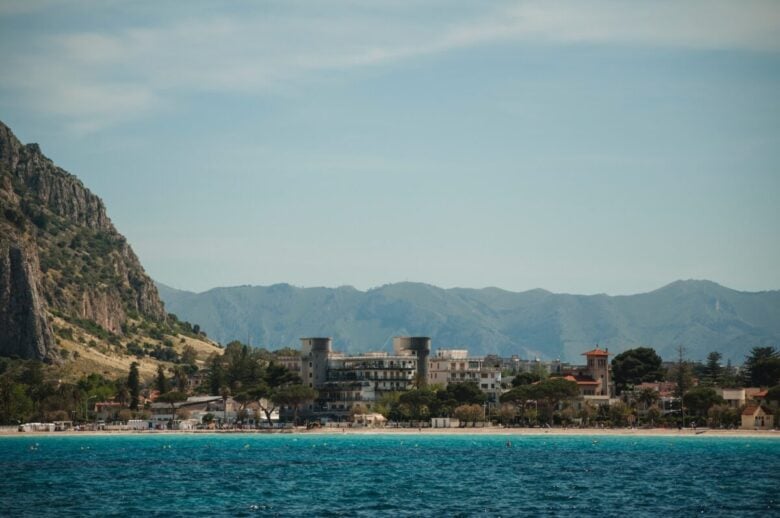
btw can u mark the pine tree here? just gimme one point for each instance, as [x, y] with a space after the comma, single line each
[161, 384]
[762, 367]
[682, 375]
[713, 370]
[729, 376]
[134, 386]
[684, 379]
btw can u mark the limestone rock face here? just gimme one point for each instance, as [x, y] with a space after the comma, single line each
[60, 192]
[24, 329]
[60, 252]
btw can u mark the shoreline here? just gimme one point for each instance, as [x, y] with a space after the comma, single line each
[496, 431]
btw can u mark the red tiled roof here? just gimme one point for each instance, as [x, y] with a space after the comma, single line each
[760, 394]
[596, 352]
[751, 410]
[581, 380]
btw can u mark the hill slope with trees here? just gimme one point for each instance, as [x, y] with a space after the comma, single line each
[73, 294]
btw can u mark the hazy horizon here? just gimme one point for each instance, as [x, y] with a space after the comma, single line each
[577, 147]
[379, 286]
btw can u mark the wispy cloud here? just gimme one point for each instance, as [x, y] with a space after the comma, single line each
[705, 24]
[98, 77]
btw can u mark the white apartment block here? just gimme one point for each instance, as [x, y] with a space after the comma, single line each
[455, 366]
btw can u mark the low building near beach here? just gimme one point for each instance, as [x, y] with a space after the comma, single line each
[456, 366]
[139, 424]
[733, 397]
[37, 427]
[371, 419]
[739, 397]
[107, 410]
[444, 422]
[667, 401]
[756, 417]
[196, 407]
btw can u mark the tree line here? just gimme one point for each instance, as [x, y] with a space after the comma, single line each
[31, 391]
[698, 402]
[253, 377]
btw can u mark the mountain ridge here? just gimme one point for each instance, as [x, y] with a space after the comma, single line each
[677, 282]
[699, 314]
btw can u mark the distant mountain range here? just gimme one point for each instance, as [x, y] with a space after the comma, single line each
[700, 315]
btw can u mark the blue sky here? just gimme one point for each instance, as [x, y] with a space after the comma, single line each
[582, 147]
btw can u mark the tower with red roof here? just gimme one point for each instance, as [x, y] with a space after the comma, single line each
[598, 369]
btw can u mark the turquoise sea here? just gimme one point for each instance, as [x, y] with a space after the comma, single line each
[388, 475]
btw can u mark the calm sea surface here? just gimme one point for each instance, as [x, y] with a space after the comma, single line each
[390, 475]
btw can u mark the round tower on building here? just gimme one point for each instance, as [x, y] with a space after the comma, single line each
[420, 347]
[598, 368]
[314, 361]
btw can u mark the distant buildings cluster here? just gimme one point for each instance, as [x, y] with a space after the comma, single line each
[344, 381]
[352, 387]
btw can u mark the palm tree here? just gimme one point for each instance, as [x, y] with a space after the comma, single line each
[225, 393]
[647, 396]
[172, 398]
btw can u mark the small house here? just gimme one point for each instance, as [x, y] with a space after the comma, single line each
[372, 419]
[756, 417]
[444, 422]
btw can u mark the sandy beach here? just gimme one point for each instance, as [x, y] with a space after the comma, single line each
[495, 430]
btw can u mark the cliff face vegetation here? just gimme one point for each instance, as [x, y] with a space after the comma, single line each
[60, 256]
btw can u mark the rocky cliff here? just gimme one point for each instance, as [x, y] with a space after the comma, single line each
[60, 254]
[24, 328]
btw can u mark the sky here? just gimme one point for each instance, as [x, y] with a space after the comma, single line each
[577, 146]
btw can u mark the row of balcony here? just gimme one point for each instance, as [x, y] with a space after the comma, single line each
[373, 366]
[360, 377]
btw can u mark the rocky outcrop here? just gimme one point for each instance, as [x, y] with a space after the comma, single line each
[10, 148]
[61, 253]
[60, 192]
[24, 329]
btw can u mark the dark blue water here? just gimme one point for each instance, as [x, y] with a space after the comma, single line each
[416, 475]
